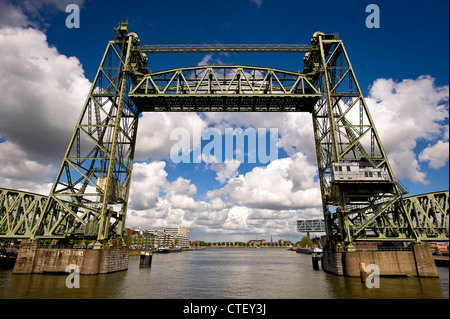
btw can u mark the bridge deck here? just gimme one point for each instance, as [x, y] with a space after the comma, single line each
[223, 103]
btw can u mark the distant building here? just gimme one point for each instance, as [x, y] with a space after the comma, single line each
[179, 236]
[257, 241]
[154, 238]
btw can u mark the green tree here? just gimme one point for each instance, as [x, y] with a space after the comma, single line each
[306, 242]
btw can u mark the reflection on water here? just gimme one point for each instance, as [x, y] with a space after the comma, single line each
[222, 273]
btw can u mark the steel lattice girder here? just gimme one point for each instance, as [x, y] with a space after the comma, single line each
[178, 48]
[19, 213]
[225, 88]
[385, 221]
[429, 213]
[22, 213]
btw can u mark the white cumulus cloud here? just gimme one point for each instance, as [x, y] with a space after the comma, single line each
[436, 155]
[42, 95]
[43, 92]
[405, 113]
[286, 183]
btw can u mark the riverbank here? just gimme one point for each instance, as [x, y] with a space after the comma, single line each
[137, 252]
[253, 247]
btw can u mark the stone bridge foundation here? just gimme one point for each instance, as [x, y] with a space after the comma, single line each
[417, 262]
[33, 259]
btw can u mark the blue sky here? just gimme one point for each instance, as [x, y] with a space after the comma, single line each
[402, 68]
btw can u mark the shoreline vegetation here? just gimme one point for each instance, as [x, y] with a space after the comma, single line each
[200, 245]
[137, 251]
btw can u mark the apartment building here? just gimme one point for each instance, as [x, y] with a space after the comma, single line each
[161, 237]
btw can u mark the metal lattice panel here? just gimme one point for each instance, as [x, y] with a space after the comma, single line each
[310, 225]
[225, 88]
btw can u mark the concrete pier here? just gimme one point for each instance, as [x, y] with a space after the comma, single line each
[146, 259]
[34, 259]
[416, 262]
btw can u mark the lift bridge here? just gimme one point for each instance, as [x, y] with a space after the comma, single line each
[361, 198]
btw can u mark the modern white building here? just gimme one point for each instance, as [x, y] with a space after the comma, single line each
[161, 237]
[178, 236]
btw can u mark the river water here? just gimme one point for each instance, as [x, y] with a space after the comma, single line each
[266, 273]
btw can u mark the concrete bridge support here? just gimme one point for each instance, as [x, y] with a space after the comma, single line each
[34, 259]
[417, 262]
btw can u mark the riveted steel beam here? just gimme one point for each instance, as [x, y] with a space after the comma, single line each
[209, 48]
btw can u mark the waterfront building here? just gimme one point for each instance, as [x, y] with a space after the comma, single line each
[257, 241]
[161, 237]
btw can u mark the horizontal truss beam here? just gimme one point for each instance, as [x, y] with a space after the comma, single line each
[192, 48]
[225, 88]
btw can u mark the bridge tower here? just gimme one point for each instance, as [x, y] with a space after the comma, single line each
[356, 179]
[89, 196]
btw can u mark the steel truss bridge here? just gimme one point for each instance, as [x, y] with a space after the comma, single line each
[361, 198]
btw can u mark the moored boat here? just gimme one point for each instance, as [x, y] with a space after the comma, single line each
[301, 250]
[7, 259]
[308, 251]
[165, 250]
